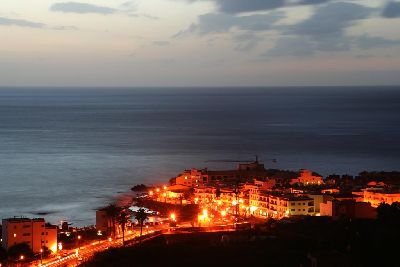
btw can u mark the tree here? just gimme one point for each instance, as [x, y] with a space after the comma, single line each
[141, 216]
[112, 211]
[18, 250]
[3, 254]
[123, 219]
[389, 214]
[139, 188]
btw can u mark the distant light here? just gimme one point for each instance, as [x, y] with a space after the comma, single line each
[151, 193]
[165, 188]
[60, 247]
[173, 216]
[22, 257]
[15, 235]
[158, 189]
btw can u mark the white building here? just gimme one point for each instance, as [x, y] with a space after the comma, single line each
[34, 232]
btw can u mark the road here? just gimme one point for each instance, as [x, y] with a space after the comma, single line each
[76, 256]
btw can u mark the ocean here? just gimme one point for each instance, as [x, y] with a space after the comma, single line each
[66, 151]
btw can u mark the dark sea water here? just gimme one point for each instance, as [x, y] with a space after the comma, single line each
[68, 151]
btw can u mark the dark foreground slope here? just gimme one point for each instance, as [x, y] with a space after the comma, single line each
[302, 242]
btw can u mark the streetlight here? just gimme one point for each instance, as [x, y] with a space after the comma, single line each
[77, 242]
[41, 255]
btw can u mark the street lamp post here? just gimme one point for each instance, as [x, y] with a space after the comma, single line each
[78, 245]
[41, 256]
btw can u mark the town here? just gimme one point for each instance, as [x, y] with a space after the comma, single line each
[203, 200]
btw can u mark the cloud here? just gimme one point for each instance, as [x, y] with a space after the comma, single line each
[323, 31]
[65, 28]
[129, 5]
[220, 23]
[330, 19]
[392, 10]
[81, 8]
[246, 41]
[161, 43]
[292, 47]
[21, 23]
[367, 42]
[240, 6]
[142, 15]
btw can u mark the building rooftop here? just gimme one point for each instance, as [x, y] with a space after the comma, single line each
[22, 219]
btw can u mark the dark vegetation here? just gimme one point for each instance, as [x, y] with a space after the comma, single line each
[139, 188]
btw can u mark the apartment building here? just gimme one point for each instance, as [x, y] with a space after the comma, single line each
[34, 232]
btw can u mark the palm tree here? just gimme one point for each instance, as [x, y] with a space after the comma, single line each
[123, 218]
[141, 216]
[112, 212]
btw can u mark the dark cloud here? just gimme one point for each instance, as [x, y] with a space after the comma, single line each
[81, 8]
[310, 2]
[367, 42]
[240, 6]
[330, 19]
[323, 31]
[392, 10]
[220, 23]
[292, 47]
[21, 23]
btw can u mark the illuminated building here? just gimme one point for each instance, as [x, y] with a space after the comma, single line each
[103, 221]
[174, 194]
[347, 208]
[307, 178]
[191, 178]
[267, 204]
[204, 195]
[34, 232]
[376, 196]
[244, 172]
